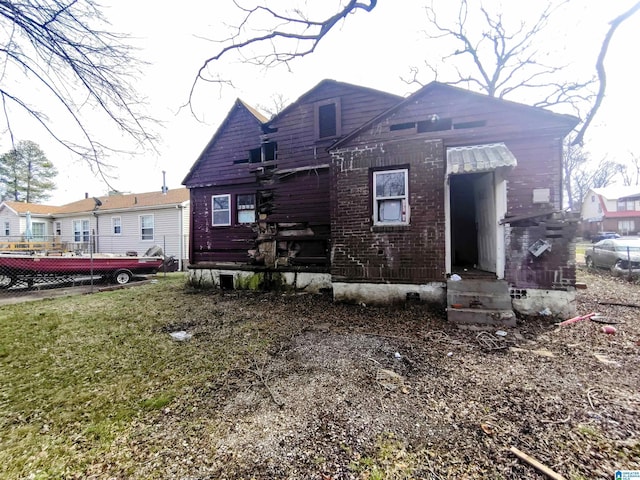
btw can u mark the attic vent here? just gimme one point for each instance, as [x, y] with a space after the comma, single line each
[402, 126]
[434, 124]
[477, 123]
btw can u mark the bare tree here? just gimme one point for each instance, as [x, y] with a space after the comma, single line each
[574, 160]
[587, 176]
[278, 103]
[287, 33]
[517, 63]
[484, 53]
[631, 171]
[600, 68]
[62, 66]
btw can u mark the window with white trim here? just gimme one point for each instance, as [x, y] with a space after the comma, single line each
[58, 228]
[221, 210]
[81, 230]
[116, 223]
[38, 229]
[626, 226]
[390, 197]
[246, 208]
[7, 229]
[146, 227]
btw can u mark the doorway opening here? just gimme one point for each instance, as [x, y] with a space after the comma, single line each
[473, 223]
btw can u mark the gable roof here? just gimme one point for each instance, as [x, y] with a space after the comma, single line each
[22, 208]
[614, 192]
[330, 83]
[126, 201]
[259, 119]
[431, 89]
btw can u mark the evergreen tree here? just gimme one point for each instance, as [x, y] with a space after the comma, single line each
[26, 174]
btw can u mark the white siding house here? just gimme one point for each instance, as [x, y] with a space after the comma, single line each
[614, 208]
[109, 224]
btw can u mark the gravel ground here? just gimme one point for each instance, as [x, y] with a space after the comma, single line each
[355, 392]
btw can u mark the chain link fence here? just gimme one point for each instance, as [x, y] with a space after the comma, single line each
[27, 264]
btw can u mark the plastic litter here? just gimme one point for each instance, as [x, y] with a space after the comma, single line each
[181, 336]
[455, 277]
[397, 356]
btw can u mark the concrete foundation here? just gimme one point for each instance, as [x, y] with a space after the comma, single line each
[383, 293]
[248, 280]
[560, 303]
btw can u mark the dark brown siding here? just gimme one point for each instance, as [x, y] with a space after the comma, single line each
[216, 166]
[296, 212]
[218, 244]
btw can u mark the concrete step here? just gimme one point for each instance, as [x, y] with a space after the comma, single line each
[478, 286]
[479, 300]
[481, 316]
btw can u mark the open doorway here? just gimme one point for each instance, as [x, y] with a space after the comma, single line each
[473, 222]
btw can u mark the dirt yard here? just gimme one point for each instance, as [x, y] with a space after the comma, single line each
[356, 392]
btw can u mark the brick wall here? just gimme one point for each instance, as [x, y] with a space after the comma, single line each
[414, 253]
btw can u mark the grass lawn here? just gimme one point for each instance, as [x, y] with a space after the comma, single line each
[296, 386]
[75, 372]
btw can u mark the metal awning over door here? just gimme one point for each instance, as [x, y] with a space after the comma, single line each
[479, 158]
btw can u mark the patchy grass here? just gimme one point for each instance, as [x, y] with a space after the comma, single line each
[75, 372]
[287, 387]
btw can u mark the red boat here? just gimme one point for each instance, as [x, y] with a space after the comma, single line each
[30, 268]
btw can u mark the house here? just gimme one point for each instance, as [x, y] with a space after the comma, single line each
[117, 223]
[260, 189]
[443, 184]
[611, 209]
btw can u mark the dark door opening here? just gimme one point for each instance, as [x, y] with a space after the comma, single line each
[464, 230]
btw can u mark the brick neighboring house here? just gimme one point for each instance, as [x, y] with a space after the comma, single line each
[443, 182]
[611, 209]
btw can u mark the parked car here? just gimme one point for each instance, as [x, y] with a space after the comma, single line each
[614, 254]
[603, 236]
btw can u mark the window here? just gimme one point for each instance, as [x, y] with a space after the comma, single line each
[58, 227]
[626, 205]
[246, 208]
[221, 210]
[39, 231]
[146, 227]
[116, 223]
[81, 230]
[327, 115]
[626, 226]
[7, 229]
[390, 194]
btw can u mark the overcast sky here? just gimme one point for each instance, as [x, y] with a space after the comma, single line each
[371, 49]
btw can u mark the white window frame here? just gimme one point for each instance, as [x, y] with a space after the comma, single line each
[116, 225]
[58, 228]
[626, 226]
[39, 230]
[219, 210]
[145, 236]
[79, 232]
[7, 229]
[379, 198]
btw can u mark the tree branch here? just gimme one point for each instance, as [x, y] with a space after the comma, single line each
[602, 74]
[300, 35]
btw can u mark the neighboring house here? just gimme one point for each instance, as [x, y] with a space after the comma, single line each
[108, 224]
[611, 209]
[443, 182]
[13, 220]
